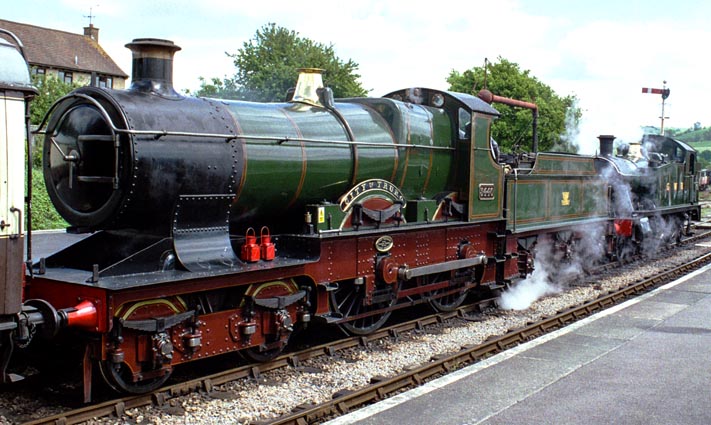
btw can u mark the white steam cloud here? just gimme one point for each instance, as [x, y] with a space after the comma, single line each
[569, 141]
[557, 260]
[525, 293]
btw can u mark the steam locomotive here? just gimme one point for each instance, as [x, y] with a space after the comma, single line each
[223, 226]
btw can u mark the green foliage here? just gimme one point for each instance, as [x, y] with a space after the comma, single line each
[703, 158]
[267, 67]
[44, 215]
[701, 146]
[558, 120]
[37, 151]
[690, 135]
[50, 89]
[216, 88]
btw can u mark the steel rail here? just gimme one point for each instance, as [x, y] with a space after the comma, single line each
[381, 388]
[161, 396]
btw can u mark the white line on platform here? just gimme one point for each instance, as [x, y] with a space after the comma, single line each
[469, 370]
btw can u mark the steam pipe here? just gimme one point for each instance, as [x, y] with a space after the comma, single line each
[490, 98]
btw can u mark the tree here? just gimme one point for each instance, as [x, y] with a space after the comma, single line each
[44, 215]
[222, 89]
[50, 89]
[267, 67]
[559, 117]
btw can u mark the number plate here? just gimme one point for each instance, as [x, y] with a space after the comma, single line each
[486, 191]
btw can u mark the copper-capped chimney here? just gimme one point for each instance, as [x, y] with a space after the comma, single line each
[152, 68]
[606, 141]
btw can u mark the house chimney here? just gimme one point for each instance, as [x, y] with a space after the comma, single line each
[152, 69]
[92, 32]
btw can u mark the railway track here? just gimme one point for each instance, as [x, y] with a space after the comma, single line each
[380, 388]
[344, 402]
[207, 383]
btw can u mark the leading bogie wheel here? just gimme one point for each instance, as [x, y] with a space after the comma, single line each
[118, 377]
[259, 355]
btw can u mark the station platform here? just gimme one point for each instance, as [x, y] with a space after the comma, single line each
[646, 361]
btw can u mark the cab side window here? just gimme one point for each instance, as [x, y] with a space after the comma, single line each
[465, 124]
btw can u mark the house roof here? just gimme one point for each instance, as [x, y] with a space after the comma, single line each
[64, 50]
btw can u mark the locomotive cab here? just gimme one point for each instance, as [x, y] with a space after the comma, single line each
[478, 177]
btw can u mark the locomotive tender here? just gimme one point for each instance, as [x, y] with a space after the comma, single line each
[221, 226]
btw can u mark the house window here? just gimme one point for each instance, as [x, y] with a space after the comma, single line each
[106, 82]
[39, 71]
[67, 77]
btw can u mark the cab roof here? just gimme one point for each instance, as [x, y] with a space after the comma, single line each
[428, 97]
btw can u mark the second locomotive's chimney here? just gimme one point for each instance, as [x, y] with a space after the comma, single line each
[152, 69]
[606, 141]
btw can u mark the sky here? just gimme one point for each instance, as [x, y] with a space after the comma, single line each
[601, 51]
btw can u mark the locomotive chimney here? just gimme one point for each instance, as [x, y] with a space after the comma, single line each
[606, 144]
[153, 66]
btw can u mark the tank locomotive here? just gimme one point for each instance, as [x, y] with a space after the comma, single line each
[224, 226]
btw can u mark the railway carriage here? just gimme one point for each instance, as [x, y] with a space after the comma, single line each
[15, 94]
[223, 226]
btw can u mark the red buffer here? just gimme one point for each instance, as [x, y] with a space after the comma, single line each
[623, 227]
[84, 315]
